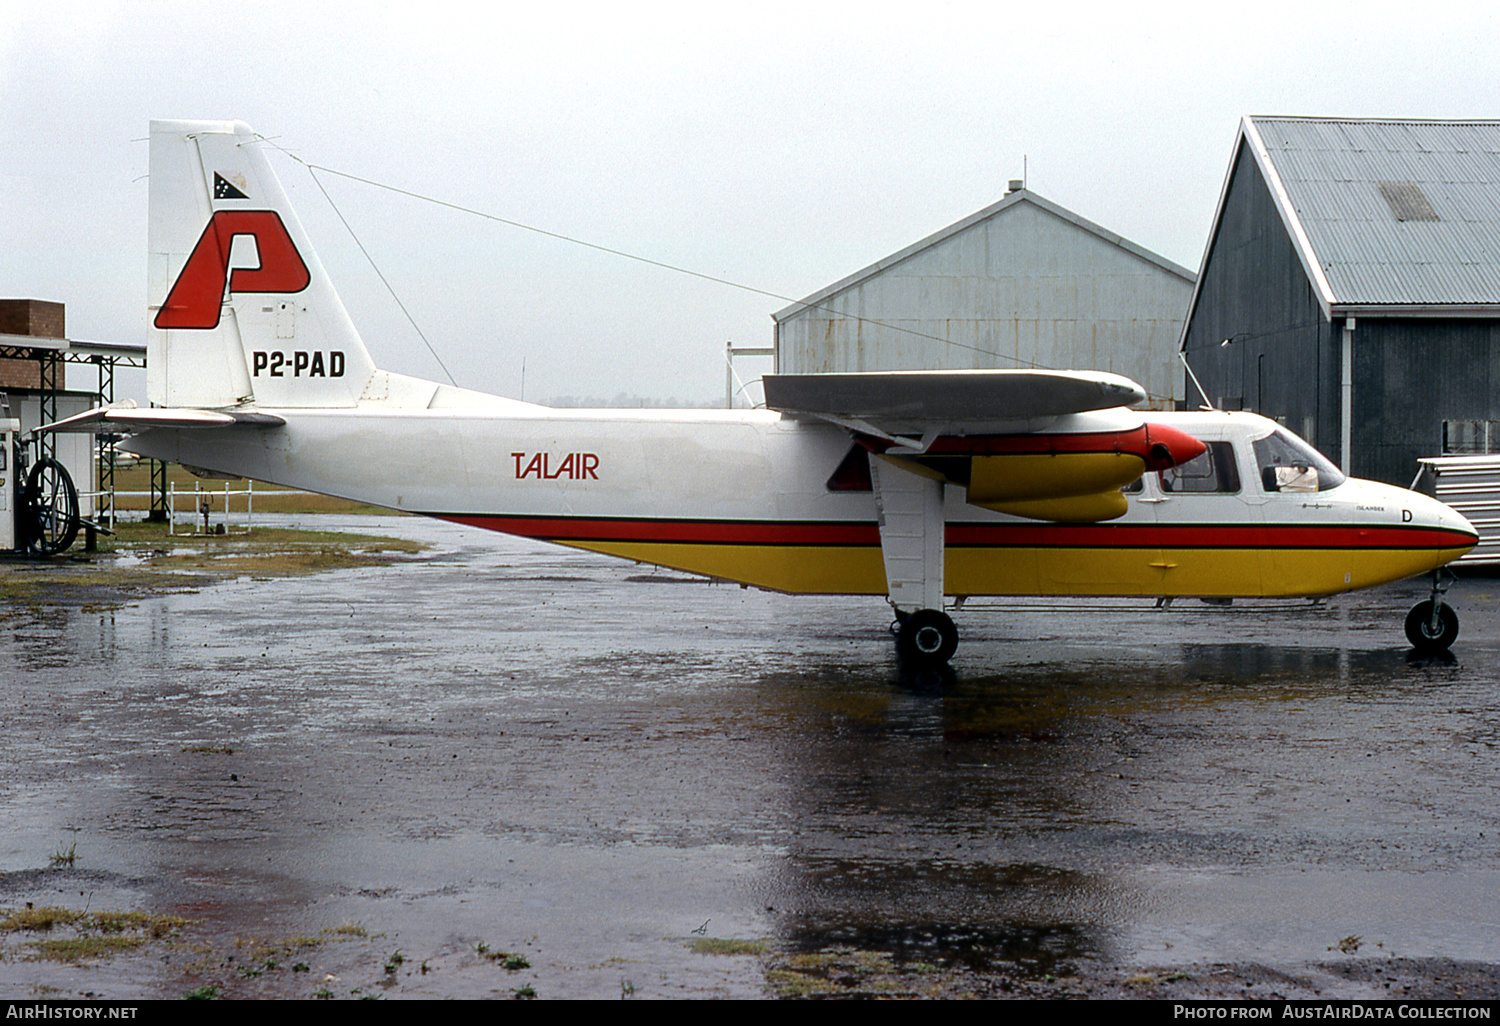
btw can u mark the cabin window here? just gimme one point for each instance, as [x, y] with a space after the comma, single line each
[1288, 464]
[1211, 471]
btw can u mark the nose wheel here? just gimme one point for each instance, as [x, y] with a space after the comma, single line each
[1432, 626]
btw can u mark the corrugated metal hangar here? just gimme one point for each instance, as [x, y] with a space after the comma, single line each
[1351, 287]
[1022, 283]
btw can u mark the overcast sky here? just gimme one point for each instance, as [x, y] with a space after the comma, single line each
[783, 147]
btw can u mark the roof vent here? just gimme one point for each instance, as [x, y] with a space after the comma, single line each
[1407, 201]
[1016, 185]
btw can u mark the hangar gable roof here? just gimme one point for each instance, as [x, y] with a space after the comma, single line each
[1387, 216]
[995, 209]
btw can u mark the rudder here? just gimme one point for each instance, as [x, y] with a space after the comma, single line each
[241, 310]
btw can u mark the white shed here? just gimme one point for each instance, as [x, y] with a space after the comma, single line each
[1021, 283]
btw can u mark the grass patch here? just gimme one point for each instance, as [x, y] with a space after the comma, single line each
[512, 960]
[79, 949]
[268, 498]
[39, 919]
[269, 551]
[269, 954]
[96, 935]
[161, 564]
[99, 934]
[58, 584]
[155, 926]
[133, 534]
[727, 946]
[850, 972]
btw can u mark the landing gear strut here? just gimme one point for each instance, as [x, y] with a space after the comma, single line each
[1432, 625]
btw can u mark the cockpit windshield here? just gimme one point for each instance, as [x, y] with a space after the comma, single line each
[1288, 464]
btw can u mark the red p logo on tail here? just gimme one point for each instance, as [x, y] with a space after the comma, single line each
[196, 297]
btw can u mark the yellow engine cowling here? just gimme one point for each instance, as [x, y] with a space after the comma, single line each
[1064, 477]
[1077, 509]
[1069, 487]
[1062, 487]
[1027, 477]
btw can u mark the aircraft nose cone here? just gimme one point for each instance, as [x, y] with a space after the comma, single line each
[1168, 447]
[1449, 528]
[1456, 520]
[1427, 511]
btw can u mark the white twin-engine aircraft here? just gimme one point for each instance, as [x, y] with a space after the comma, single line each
[913, 485]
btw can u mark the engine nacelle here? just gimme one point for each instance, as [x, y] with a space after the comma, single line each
[1072, 477]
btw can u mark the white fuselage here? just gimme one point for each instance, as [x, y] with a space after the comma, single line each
[743, 495]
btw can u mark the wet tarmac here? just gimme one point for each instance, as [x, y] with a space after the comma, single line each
[374, 782]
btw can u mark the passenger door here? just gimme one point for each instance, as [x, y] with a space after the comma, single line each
[1210, 526]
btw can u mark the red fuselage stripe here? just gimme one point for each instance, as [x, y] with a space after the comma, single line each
[690, 532]
[973, 535]
[1206, 536]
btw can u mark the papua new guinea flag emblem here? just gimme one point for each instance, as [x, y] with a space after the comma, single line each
[225, 189]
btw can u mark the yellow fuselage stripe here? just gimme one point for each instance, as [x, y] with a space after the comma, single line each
[858, 570]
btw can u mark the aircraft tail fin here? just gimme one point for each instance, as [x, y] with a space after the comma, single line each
[241, 310]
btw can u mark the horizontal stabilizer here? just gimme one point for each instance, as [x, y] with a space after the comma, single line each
[113, 420]
[950, 395]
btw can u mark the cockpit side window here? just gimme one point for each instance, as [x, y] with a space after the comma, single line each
[1288, 464]
[1211, 471]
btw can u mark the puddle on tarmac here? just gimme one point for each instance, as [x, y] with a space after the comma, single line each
[542, 752]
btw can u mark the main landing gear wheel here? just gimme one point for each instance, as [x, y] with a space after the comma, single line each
[51, 508]
[927, 638]
[1428, 632]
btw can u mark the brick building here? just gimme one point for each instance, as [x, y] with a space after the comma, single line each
[32, 318]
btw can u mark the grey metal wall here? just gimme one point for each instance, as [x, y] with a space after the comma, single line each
[1410, 375]
[1022, 288]
[1283, 357]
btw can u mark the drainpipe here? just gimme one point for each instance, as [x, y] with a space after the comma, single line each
[1346, 395]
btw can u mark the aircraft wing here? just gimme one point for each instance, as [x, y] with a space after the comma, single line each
[113, 420]
[1045, 445]
[950, 395]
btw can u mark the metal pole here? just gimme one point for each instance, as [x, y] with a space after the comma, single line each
[104, 445]
[50, 365]
[1207, 403]
[159, 507]
[1346, 396]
